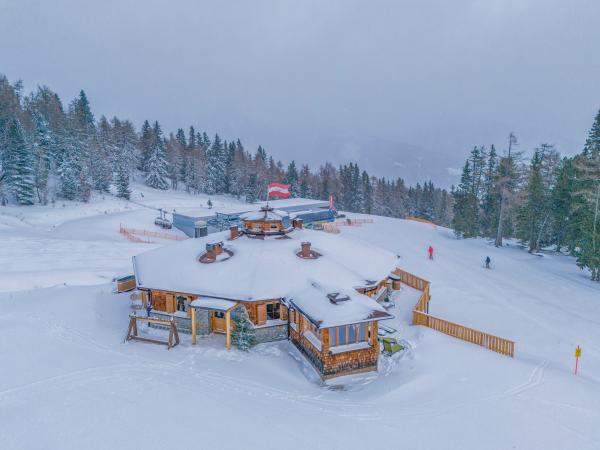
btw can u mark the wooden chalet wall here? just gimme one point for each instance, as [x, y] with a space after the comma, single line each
[257, 311]
[353, 361]
[263, 226]
[331, 365]
[166, 301]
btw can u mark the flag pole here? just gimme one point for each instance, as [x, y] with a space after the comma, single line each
[267, 196]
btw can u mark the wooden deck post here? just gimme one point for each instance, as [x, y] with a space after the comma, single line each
[228, 329]
[193, 326]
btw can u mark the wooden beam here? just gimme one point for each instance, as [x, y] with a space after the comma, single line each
[193, 326]
[228, 329]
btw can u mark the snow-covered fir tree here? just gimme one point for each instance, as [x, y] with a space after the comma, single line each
[243, 336]
[19, 163]
[43, 146]
[587, 203]
[216, 165]
[291, 178]
[104, 150]
[156, 166]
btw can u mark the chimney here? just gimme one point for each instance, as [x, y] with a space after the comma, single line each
[234, 232]
[210, 251]
[305, 253]
[218, 248]
[298, 224]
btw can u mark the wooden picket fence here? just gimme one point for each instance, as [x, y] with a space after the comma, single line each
[331, 228]
[489, 341]
[133, 233]
[421, 316]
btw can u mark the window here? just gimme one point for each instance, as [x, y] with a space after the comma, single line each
[294, 319]
[273, 311]
[362, 332]
[348, 334]
[219, 314]
[181, 303]
[342, 335]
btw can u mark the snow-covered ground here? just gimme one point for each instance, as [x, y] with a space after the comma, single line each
[69, 381]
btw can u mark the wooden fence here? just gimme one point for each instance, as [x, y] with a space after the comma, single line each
[130, 233]
[412, 280]
[489, 341]
[417, 219]
[421, 317]
[331, 228]
[352, 222]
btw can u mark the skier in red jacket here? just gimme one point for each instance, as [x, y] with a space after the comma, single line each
[430, 252]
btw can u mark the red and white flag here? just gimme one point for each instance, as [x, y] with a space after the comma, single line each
[279, 190]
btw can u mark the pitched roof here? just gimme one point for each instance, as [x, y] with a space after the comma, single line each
[324, 308]
[266, 214]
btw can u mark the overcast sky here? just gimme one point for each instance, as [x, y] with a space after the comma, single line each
[381, 82]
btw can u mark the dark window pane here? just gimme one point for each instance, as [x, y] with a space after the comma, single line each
[332, 342]
[362, 330]
[273, 311]
[351, 334]
[343, 335]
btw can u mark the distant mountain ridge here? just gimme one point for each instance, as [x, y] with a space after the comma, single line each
[390, 159]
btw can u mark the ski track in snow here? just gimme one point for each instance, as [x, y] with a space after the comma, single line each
[536, 377]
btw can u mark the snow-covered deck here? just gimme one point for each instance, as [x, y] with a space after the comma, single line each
[404, 302]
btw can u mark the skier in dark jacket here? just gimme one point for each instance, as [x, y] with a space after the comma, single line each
[487, 262]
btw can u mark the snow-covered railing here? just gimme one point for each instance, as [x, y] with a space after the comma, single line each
[421, 316]
[133, 231]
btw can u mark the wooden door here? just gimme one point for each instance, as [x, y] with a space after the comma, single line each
[218, 322]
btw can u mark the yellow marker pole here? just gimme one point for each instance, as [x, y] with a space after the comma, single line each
[577, 355]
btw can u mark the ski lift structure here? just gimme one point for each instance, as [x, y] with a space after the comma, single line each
[162, 221]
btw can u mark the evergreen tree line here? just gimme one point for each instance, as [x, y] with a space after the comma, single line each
[49, 152]
[547, 201]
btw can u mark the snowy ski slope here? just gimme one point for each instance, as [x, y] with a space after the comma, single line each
[68, 381]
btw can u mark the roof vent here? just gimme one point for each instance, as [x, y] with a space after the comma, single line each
[215, 252]
[234, 232]
[336, 297]
[306, 252]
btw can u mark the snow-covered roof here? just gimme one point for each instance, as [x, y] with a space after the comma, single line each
[269, 214]
[262, 268]
[286, 204]
[314, 301]
[216, 304]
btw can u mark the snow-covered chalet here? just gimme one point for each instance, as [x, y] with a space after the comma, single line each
[311, 287]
